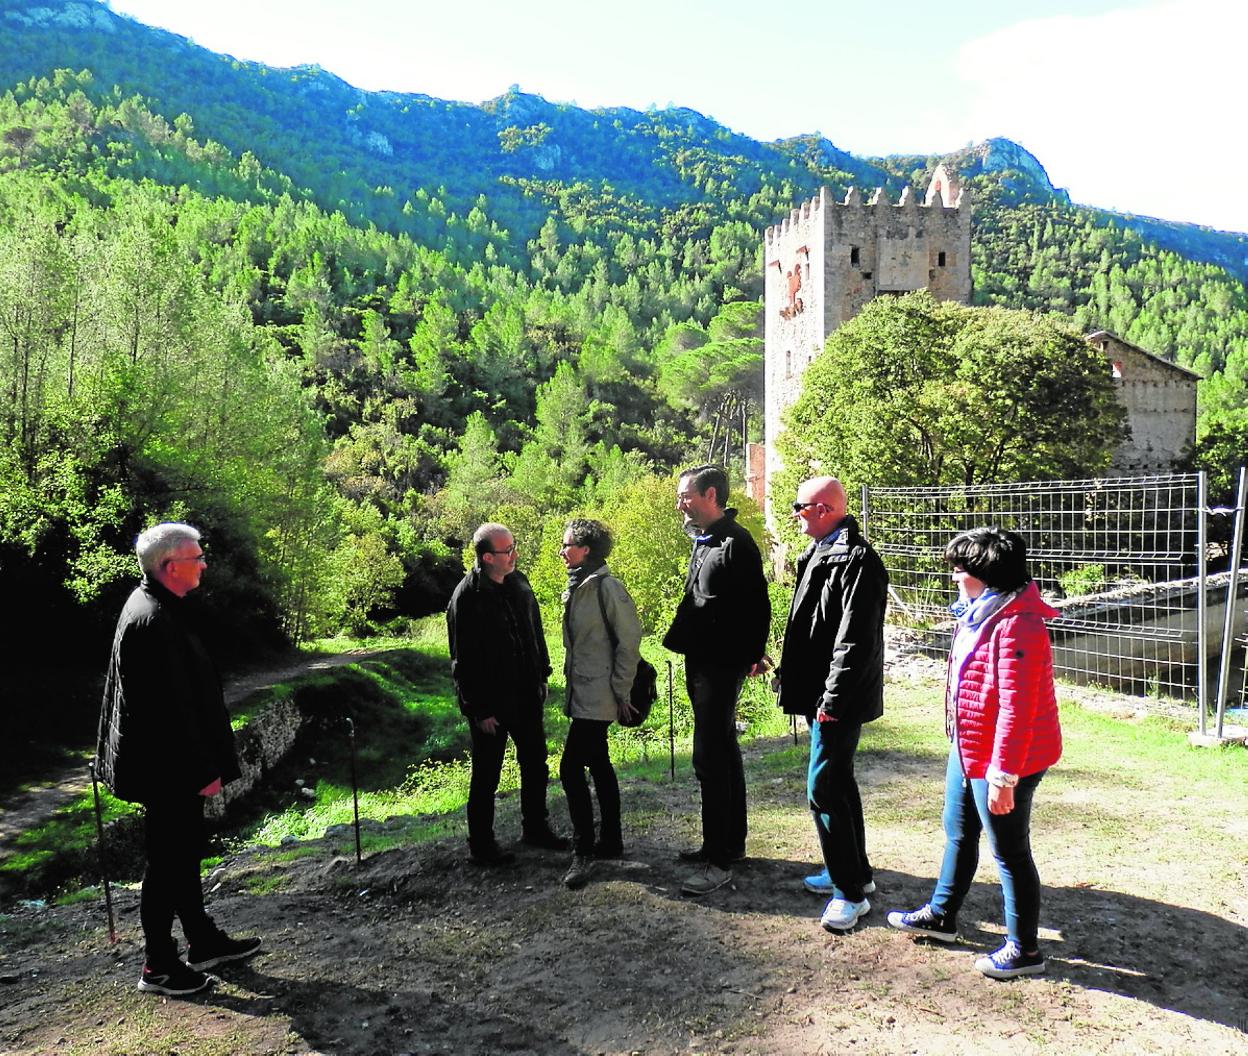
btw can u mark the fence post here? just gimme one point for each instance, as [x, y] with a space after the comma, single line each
[1202, 604]
[865, 507]
[1232, 589]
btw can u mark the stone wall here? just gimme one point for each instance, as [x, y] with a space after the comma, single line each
[827, 259]
[1160, 399]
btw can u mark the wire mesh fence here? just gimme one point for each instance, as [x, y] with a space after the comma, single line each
[1121, 558]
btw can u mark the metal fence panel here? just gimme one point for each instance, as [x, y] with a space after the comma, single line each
[1121, 557]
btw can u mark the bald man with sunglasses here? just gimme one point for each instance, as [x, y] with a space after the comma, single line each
[832, 674]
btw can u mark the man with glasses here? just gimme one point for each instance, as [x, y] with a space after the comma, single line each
[721, 625]
[500, 665]
[165, 741]
[832, 673]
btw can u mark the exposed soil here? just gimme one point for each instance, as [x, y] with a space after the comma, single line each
[418, 951]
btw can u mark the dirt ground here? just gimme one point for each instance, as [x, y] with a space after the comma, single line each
[418, 951]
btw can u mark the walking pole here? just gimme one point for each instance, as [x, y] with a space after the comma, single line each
[671, 724]
[99, 828]
[355, 791]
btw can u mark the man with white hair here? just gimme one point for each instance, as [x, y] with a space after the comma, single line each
[165, 741]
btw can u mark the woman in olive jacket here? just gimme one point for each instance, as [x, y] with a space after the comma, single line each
[599, 665]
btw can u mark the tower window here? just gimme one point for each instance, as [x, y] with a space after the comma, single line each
[788, 363]
[940, 259]
[853, 254]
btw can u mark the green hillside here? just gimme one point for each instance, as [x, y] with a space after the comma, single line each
[334, 327]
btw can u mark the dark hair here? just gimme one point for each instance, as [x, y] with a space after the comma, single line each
[594, 534]
[994, 555]
[483, 538]
[704, 477]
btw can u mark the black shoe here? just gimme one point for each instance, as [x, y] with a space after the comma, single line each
[608, 849]
[546, 839]
[925, 923]
[492, 856]
[218, 948]
[701, 855]
[579, 872]
[175, 980]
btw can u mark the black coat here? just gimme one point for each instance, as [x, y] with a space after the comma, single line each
[724, 616]
[163, 726]
[499, 661]
[834, 642]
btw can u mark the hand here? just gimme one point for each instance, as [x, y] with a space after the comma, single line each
[625, 710]
[211, 789]
[489, 725]
[825, 716]
[761, 668]
[1000, 800]
[543, 693]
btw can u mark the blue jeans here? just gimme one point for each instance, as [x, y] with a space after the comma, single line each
[1009, 837]
[836, 806]
[713, 691]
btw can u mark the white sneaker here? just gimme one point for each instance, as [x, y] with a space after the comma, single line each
[841, 915]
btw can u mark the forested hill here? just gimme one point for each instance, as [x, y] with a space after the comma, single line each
[339, 329]
[365, 152]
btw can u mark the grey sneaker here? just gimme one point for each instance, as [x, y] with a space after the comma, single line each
[579, 871]
[706, 880]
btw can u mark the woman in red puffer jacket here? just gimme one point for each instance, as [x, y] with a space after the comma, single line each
[1001, 715]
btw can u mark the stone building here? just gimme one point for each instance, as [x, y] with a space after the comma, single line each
[1160, 398]
[828, 259]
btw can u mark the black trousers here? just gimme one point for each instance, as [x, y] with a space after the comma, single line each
[175, 840]
[713, 691]
[586, 749]
[488, 751]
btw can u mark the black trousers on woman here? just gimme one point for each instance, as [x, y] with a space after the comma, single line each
[586, 749]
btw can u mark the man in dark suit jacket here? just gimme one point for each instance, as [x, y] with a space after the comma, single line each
[500, 664]
[832, 673]
[165, 741]
[721, 626]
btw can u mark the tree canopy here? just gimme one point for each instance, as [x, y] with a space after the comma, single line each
[916, 391]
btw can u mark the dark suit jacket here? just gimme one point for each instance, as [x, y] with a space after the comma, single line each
[833, 652]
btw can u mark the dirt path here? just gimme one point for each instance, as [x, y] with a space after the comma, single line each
[33, 806]
[416, 951]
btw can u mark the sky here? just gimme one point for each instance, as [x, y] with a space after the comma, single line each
[1132, 105]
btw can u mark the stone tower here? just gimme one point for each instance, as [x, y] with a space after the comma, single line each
[828, 258]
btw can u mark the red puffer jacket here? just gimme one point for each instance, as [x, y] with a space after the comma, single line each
[1006, 708]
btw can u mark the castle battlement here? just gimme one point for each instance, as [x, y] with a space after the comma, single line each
[827, 259]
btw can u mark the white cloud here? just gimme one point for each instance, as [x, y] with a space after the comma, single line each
[1137, 110]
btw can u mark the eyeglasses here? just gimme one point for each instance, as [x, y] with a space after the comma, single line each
[509, 551]
[571, 546]
[799, 506]
[201, 558]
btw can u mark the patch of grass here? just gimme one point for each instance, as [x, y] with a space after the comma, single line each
[71, 830]
[81, 894]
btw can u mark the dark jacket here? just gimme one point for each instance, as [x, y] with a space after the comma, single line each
[834, 642]
[163, 725]
[499, 661]
[725, 614]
